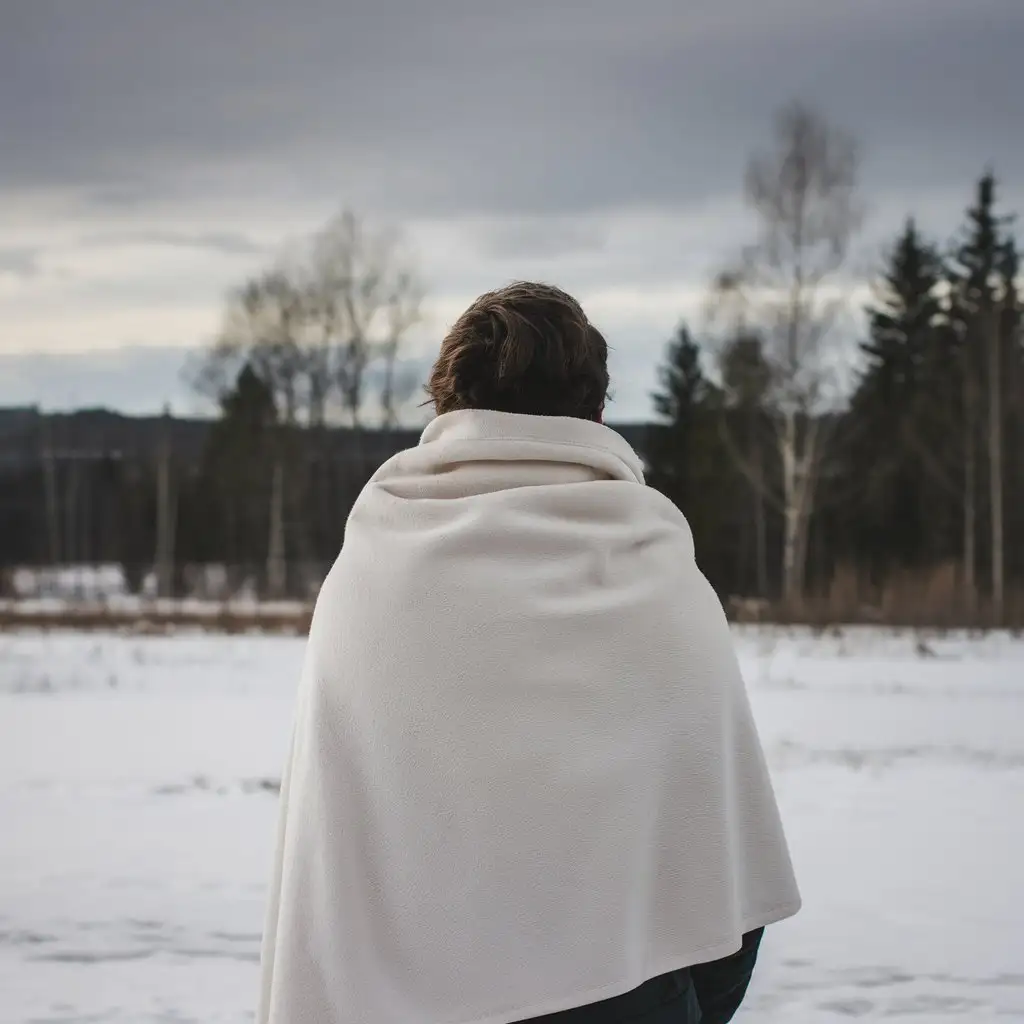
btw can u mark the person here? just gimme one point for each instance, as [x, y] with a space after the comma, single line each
[524, 780]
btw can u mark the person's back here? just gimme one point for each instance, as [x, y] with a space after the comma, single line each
[525, 782]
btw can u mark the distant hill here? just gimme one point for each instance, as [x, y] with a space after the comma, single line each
[26, 433]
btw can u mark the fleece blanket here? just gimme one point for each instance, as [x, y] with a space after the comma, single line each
[524, 774]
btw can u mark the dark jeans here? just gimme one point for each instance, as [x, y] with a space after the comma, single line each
[708, 993]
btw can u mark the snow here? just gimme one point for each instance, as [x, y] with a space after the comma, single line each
[92, 582]
[210, 590]
[137, 806]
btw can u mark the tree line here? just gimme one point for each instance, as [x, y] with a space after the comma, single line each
[893, 487]
[852, 467]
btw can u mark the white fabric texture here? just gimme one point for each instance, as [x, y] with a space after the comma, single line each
[524, 774]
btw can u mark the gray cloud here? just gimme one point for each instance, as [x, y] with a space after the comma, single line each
[456, 106]
[226, 242]
[19, 261]
[542, 236]
[598, 146]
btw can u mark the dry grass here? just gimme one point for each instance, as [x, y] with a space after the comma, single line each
[932, 599]
[929, 599]
[228, 621]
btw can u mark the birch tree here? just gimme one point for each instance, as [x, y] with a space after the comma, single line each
[402, 313]
[364, 297]
[788, 286]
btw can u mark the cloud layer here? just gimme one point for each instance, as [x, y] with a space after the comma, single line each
[154, 154]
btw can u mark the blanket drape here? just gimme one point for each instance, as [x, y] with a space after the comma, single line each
[524, 774]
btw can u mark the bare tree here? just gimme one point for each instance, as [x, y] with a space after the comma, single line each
[269, 323]
[309, 328]
[788, 287]
[265, 326]
[403, 313]
[364, 296]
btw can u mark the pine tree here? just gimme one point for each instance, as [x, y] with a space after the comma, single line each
[684, 390]
[891, 428]
[235, 472]
[979, 301]
[248, 408]
[684, 453]
[746, 382]
[902, 322]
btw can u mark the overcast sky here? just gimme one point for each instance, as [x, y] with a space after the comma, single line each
[152, 154]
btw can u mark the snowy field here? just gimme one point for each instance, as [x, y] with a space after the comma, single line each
[137, 803]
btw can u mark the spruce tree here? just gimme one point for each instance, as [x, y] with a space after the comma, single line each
[747, 382]
[685, 458]
[235, 473]
[684, 390]
[891, 426]
[981, 311]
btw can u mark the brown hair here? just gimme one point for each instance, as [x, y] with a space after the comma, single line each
[526, 348]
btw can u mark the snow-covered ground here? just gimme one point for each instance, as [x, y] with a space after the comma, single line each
[137, 802]
[210, 590]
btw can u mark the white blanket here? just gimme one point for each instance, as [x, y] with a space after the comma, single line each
[524, 774]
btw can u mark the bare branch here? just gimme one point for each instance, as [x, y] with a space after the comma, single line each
[365, 297]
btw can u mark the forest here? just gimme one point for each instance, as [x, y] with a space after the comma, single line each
[846, 444]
